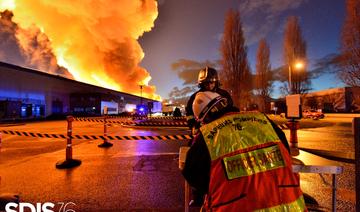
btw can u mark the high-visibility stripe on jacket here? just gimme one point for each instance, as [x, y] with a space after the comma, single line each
[250, 167]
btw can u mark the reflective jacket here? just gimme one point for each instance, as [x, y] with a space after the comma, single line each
[250, 167]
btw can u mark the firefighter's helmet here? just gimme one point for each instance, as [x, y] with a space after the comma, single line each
[207, 75]
[208, 104]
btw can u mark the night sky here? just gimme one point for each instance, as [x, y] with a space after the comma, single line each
[188, 29]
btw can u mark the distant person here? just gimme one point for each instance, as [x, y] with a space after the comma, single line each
[240, 160]
[208, 80]
[177, 112]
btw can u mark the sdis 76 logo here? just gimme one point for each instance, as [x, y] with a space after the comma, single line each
[39, 207]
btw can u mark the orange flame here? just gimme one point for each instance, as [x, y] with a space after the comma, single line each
[95, 40]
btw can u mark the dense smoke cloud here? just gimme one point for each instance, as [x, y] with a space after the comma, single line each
[184, 92]
[188, 70]
[28, 48]
[95, 40]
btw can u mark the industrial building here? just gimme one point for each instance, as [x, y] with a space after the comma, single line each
[27, 94]
[344, 100]
[334, 100]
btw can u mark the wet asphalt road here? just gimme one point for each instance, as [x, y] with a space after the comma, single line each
[336, 137]
[131, 175]
[136, 175]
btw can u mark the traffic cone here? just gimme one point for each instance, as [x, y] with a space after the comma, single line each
[69, 162]
[106, 143]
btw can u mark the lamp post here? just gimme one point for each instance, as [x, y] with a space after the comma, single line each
[141, 87]
[292, 123]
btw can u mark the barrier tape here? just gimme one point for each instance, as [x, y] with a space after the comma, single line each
[166, 117]
[97, 137]
[146, 123]
[125, 117]
[109, 116]
[149, 123]
[132, 117]
[162, 124]
[102, 121]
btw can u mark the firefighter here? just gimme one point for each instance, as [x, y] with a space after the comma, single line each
[208, 80]
[240, 160]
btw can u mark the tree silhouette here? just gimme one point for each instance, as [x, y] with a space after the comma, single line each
[236, 75]
[294, 51]
[350, 45]
[263, 77]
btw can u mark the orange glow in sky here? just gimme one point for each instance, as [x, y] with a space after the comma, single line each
[95, 40]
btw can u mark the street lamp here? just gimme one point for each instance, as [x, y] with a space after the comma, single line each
[298, 66]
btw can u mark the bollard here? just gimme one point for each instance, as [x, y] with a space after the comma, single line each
[356, 132]
[293, 126]
[106, 143]
[69, 162]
